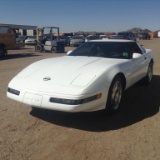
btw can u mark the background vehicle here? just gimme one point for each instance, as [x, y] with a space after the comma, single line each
[91, 37]
[8, 40]
[31, 40]
[144, 36]
[47, 42]
[65, 40]
[68, 40]
[127, 35]
[116, 36]
[77, 40]
[102, 36]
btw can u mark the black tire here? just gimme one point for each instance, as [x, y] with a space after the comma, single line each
[2, 52]
[148, 78]
[39, 48]
[53, 50]
[114, 95]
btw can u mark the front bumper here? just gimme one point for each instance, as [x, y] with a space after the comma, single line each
[43, 100]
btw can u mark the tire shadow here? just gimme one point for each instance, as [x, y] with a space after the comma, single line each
[138, 103]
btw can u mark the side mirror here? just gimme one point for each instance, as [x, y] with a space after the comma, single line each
[69, 52]
[136, 55]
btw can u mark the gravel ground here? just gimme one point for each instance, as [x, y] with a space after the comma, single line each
[131, 134]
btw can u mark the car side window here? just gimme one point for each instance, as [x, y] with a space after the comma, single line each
[135, 49]
[142, 48]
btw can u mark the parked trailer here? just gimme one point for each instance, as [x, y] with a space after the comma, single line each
[8, 40]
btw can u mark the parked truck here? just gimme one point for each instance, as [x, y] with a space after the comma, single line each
[8, 40]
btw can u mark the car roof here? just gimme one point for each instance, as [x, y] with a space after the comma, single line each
[111, 40]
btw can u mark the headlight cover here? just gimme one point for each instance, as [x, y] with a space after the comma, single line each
[13, 91]
[75, 102]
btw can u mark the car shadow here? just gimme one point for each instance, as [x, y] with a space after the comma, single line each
[49, 52]
[138, 103]
[18, 55]
[23, 48]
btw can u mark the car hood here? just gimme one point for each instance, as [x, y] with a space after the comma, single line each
[62, 72]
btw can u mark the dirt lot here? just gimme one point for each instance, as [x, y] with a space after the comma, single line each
[131, 134]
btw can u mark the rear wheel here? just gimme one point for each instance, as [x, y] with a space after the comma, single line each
[115, 95]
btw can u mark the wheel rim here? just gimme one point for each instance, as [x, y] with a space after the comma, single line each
[116, 95]
[150, 73]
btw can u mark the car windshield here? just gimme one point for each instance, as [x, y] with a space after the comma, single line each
[122, 50]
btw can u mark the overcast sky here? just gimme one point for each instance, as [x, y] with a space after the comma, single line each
[83, 15]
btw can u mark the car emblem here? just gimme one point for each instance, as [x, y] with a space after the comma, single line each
[46, 78]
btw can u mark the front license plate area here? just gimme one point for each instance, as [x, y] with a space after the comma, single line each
[32, 99]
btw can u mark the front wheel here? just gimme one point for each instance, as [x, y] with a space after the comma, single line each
[115, 95]
[39, 48]
[148, 77]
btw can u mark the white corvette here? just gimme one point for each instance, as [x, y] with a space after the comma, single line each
[90, 78]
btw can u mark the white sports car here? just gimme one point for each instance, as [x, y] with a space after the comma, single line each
[90, 78]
